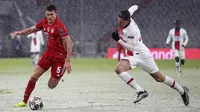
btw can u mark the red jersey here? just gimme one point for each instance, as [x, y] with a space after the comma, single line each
[55, 32]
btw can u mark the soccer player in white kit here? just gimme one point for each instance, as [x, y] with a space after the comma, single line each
[35, 47]
[179, 41]
[142, 57]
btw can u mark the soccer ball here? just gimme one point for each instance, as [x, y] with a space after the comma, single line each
[35, 103]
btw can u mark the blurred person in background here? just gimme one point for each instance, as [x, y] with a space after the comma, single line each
[179, 39]
[35, 47]
[16, 45]
[142, 57]
[57, 55]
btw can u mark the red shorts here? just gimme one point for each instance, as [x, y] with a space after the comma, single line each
[55, 60]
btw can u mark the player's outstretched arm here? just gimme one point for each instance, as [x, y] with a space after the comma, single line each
[186, 39]
[132, 9]
[25, 31]
[168, 38]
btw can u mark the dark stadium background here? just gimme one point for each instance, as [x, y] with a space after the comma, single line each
[90, 22]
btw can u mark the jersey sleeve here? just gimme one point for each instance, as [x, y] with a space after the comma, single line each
[132, 9]
[62, 30]
[185, 38]
[169, 37]
[39, 25]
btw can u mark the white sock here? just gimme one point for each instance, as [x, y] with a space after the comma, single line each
[37, 56]
[178, 68]
[33, 58]
[173, 84]
[130, 81]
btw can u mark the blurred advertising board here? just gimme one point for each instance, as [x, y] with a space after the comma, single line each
[161, 53]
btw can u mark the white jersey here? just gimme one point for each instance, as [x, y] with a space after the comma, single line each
[131, 34]
[36, 41]
[182, 38]
[142, 57]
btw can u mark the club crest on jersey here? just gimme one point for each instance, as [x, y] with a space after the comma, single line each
[52, 30]
[131, 37]
[60, 29]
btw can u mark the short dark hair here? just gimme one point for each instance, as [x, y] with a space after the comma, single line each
[51, 7]
[124, 14]
[177, 22]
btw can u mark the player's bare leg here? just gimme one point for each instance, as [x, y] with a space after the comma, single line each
[33, 56]
[182, 61]
[173, 84]
[122, 68]
[53, 82]
[30, 86]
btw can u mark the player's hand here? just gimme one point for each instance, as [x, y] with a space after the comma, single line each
[43, 46]
[67, 66]
[14, 34]
[115, 36]
[167, 44]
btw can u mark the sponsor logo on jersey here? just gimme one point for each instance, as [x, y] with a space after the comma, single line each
[131, 37]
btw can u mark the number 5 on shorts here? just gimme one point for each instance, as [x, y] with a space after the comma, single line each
[58, 69]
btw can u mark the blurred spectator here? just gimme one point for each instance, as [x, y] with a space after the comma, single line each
[16, 45]
[35, 47]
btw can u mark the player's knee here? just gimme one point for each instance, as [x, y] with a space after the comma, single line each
[36, 75]
[33, 78]
[177, 59]
[118, 70]
[52, 86]
[182, 62]
[53, 82]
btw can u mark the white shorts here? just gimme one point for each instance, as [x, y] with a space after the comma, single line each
[180, 54]
[147, 64]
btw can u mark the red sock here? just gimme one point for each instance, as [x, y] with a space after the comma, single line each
[29, 88]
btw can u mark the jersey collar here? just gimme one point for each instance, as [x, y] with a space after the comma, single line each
[54, 21]
[126, 25]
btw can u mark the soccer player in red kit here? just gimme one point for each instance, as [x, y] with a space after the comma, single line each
[58, 53]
